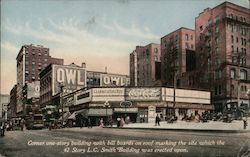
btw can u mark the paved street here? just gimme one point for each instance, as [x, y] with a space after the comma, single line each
[114, 142]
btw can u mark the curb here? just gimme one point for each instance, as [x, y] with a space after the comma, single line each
[178, 129]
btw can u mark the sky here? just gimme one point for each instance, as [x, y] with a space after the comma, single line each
[99, 33]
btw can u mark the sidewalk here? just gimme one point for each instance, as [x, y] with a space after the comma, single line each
[213, 126]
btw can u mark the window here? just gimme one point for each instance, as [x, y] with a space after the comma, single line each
[234, 60]
[217, 29]
[237, 39]
[220, 90]
[243, 74]
[192, 46]
[232, 38]
[155, 50]
[242, 41]
[201, 28]
[186, 37]
[232, 74]
[217, 74]
[191, 37]
[232, 48]
[187, 46]
[217, 50]
[216, 40]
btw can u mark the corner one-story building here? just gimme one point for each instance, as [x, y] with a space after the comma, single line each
[141, 104]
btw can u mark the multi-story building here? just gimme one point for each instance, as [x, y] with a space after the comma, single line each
[31, 60]
[13, 101]
[177, 55]
[145, 65]
[223, 54]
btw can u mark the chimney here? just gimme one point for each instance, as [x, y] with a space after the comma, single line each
[106, 70]
[83, 65]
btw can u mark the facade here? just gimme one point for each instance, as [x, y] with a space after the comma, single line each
[4, 101]
[145, 65]
[141, 104]
[177, 55]
[222, 44]
[13, 102]
[31, 60]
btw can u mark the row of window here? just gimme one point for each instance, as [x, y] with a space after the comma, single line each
[238, 18]
[243, 41]
[236, 49]
[237, 28]
[243, 74]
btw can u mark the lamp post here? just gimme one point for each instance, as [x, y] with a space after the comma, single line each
[106, 104]
[61, 102]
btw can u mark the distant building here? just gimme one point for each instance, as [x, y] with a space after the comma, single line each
[4, 101]
[177, 55]
[31, 60]
[222, 44]
[13, 102]
[145, 65]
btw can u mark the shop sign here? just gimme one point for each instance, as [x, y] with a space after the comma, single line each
[114, 80]
[127, 110]
[72, 78]
[108, 94]
[143, 94]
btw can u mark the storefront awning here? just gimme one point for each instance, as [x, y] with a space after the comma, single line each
[91, 112]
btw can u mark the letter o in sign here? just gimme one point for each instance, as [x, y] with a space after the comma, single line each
[106, 80]
[60, 75]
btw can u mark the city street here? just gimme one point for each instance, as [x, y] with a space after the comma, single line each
[115, 142]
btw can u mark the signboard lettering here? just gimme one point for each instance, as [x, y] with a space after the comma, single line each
[143, 94]
[71, 76]
[114, 80]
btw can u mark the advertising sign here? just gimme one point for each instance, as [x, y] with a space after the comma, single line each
[108, 94]
[83, 97]
[114, 80]
[143, 94]
[33, 89]
[71, 77]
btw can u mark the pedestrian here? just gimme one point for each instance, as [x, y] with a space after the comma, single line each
[22, 124]
[245, 123]
[89, 123]
[101, 123]
[122, 122]
[157, 120]
[118, 122]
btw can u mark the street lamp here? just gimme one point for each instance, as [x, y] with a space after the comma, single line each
[106, 104]
[61, 102]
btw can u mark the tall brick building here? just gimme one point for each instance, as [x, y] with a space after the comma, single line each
[31, 60]
[223, 54]
[145, 65]
[177, 55]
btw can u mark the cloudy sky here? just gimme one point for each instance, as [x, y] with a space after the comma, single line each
[100, 33]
